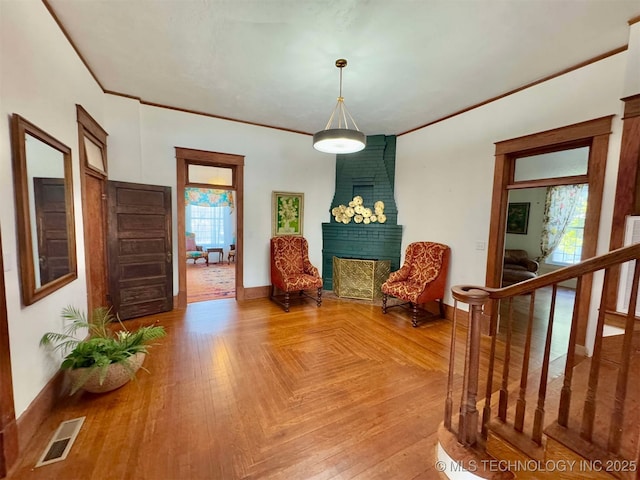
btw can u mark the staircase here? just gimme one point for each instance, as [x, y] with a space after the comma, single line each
[543, 415]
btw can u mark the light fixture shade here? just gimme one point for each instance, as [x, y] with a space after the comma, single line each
[339, 140]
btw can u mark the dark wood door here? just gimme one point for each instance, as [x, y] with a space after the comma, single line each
[139, 245]
[51, 227]
[95, 224]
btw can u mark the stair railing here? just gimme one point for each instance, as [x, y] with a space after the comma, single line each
[470, 427]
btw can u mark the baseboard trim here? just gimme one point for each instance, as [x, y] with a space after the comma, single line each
[180, 300]
[41, 407]
[581, 350]
[619, 319]
[253, 293]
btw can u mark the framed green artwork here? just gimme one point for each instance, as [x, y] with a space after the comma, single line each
[518, 218]
[288, 211]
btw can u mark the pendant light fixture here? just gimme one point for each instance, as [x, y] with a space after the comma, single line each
[340, 139]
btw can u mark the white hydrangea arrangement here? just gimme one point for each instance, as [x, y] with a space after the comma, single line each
[357, 212]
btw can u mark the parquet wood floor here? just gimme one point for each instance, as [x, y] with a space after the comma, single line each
[247, 391]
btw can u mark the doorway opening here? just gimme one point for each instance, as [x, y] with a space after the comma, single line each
[544, 232]
[537, 153]
[210, 222]
[210, 193]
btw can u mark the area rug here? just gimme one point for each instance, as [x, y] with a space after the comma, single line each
[210, 282]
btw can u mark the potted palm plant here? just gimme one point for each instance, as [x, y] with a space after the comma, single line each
[108, 358]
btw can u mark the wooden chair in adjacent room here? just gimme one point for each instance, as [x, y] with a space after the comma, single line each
[194, 252]
[421, 279]
[291, 271]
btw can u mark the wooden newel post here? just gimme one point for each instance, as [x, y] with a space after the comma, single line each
[468, 419]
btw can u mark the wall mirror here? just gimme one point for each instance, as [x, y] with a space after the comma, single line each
[44, 207]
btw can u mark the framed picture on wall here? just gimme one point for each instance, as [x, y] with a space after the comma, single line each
[288, 211]
[518, 218]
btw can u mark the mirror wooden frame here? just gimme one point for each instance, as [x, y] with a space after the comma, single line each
[31, 292]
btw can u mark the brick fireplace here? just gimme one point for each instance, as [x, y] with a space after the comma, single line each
[370, 174]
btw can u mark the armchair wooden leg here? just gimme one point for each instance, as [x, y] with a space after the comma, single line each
[441, 305]
[284, 298]
[414, 314]
[276, 299]
[384, 303]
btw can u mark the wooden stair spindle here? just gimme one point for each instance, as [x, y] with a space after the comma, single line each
[565, 393]
[504, 390]
[589, 413]
[448, 404]
[615, 430]
[462, 417]
[521, 403]
[486, 411]
[538, 418]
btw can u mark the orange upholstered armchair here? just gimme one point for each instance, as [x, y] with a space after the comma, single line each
[291, 270]
[421, 278]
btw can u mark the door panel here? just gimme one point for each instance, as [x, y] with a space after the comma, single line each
[51, 228]
[95, 226]
[140, 263]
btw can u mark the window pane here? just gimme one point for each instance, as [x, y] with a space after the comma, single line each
[207, 223]
[94, 154]
[210, 175]
[569, 250]
[565, 163]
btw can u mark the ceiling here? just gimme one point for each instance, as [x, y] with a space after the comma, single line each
[272, 62]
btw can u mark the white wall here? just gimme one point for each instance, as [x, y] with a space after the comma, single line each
[531, 241]
[274, 160]
[41, 79]
[444, 173]
[632, 76]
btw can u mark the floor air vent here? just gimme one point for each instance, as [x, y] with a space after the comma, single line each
[61, 443]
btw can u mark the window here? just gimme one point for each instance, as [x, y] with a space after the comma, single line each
[209, 213]
[208, 223]
[562, 163]
[569, 249]
[210, 175]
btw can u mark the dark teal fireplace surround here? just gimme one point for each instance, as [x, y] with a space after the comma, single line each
[369, 173]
